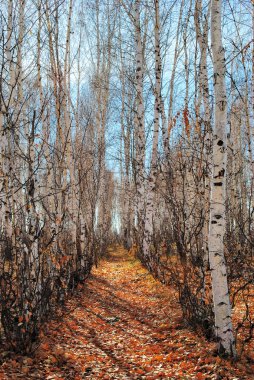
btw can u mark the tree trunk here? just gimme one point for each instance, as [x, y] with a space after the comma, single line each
[140, 122]
[222, 306]
[151, 185]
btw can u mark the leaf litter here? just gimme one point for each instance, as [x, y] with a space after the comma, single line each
[122, 324]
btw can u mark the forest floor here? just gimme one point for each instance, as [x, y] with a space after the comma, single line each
[122, 324]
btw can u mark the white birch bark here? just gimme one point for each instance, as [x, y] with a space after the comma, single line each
[151, 183]
[140, 120]
[222, 306]
[72, 204]
[103, 73]
[45, 191]
[176, 56]
[203, 98]
[124, 156]
[189, 186]
[5, 132]
[236, 165]
[2, 173]
[10, 54]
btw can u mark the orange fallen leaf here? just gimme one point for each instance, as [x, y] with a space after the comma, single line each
[53, 359]
[14, 363]
[44, 346]
[25, 370]
[200, 376]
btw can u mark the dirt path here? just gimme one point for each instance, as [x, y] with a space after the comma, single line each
[122, 324]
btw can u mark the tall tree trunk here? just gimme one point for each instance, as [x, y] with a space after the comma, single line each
[151, 183]
[222, 306]
[140, 122]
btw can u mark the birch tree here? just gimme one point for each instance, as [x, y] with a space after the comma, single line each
[222, 307]
[151, 182]
[139, 120]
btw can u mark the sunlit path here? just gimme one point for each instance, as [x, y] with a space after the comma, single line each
[121, 324]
